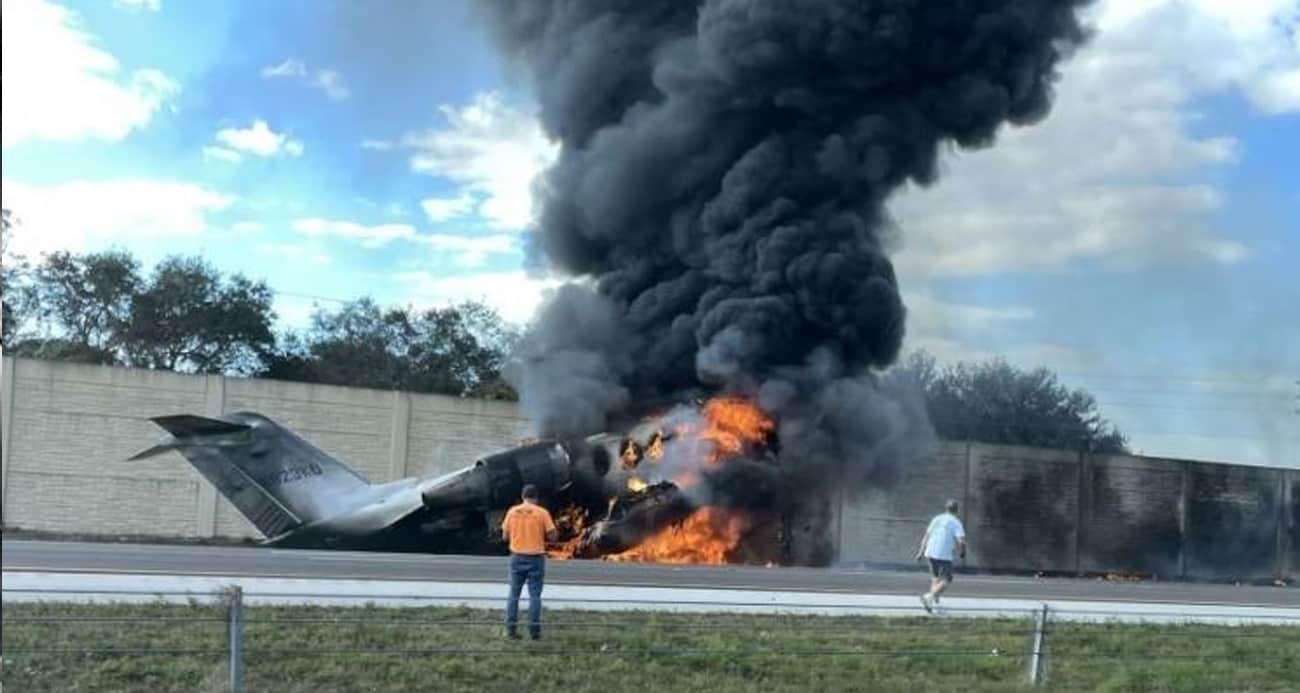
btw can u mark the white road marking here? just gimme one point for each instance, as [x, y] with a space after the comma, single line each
[20, 586]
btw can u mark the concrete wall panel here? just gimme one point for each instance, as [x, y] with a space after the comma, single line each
[884, 525]
[1132, 515]
[447, 433]
[1233, 516]
[1023, 508]
[74, 426]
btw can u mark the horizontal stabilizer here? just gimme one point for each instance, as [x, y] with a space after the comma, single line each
[183, 425]
[151, 452]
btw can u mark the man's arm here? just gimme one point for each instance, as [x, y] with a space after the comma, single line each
[505, 527]
[551, 533]
[920, 550]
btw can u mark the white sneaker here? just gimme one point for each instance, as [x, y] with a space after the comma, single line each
[925, 602]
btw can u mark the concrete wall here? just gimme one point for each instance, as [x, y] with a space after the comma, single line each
[1028, 509]
[68, 429]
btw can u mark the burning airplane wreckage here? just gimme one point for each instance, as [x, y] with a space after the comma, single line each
[638, 496]
[720, 194]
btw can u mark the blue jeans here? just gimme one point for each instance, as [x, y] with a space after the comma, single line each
[531, 569]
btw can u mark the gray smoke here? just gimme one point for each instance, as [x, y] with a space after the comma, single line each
[720, 183]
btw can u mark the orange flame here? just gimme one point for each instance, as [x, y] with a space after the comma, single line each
[709, 536]
[631, 454]
[655, 450]
[732, 422]
[569, 522]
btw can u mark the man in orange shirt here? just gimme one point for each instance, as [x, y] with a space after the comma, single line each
[528, 526]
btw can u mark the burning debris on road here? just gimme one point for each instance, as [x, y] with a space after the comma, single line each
[720, 190]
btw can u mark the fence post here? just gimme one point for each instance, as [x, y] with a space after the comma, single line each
[235, 623]
[1036, 655]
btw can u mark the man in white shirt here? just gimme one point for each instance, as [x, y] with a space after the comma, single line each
[944, 537]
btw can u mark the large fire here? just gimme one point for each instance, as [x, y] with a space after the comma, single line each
[731, 423]
[709, 535]
[727, 428]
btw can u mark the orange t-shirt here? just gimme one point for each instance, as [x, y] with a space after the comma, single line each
[527, 524]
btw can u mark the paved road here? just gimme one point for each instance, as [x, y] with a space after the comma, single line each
[43, 556]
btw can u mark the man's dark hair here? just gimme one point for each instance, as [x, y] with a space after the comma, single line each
[530, 492]
[951, 506]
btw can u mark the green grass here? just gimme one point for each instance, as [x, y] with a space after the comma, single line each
[459, 649]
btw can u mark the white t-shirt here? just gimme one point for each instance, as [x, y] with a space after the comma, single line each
[944, 531]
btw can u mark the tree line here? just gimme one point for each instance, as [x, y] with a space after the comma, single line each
[185, 315]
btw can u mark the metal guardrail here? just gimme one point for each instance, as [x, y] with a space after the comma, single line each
[1036, 629]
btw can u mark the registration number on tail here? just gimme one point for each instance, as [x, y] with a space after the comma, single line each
[293, 474]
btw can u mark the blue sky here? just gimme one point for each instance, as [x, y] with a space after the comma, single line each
[1142, 240]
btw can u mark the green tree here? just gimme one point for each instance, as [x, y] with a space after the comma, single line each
[12, 269]
[188, 317]
[457, 350]
[84, 301]
[995, 402]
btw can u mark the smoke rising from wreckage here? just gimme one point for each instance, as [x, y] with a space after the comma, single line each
[721, 182]
[720, 185]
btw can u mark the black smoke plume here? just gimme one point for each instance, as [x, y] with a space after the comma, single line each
[720, 189]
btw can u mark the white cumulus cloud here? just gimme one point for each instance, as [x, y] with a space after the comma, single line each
[138, 5]
[439, 209]
[257, 139]
[77, 215]
[514, 295]
[491, 152]
[467, 251]
[1122, 171]
[325, 79]
[370, 236]
[59, 85]
[472, 251]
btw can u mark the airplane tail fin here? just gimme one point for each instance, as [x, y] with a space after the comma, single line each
[278, 481]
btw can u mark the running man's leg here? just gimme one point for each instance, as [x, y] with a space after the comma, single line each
[943, 580]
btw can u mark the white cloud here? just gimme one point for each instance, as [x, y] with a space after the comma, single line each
[295, 253]
[324, 79]
[472, 251]
[468, 251]
[928, 314]
[138, 5]
[369, 236]
[288, 68]
[440, 209]
[330, 82]
[229, 156]
[58, 85]
[377, 145]
[77, 215]
[1120, 172]
[247, 226]
[1278, 91]
[513, 294]
[948, 330]
[491, 152]
[257, 139]
[294, 311]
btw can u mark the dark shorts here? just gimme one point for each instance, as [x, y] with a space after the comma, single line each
[941, 569]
